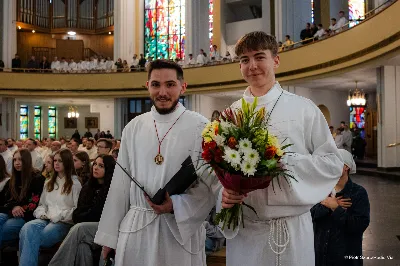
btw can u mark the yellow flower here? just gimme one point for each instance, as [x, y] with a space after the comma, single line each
[206, 129]
[273, 141]
[207, 139]
[279, 152]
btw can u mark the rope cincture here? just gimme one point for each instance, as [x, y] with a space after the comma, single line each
[280, 239]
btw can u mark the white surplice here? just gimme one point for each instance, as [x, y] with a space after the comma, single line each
[128, 224]
[315, 163]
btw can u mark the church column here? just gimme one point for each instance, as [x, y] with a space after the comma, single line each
[196, 20]
[388, 99]
[9, 31]
[322, 12]
[125, 15]
[291, 17]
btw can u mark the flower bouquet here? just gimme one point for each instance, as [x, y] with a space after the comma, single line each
[243, 154]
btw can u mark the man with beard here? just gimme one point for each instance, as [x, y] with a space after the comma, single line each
[153, 147]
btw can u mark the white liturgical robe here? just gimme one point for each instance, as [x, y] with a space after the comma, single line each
[315, 163]
[128, 224]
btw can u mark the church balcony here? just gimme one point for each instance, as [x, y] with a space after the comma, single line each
[366, 44]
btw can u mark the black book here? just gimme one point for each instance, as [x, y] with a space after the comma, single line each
[179, 183]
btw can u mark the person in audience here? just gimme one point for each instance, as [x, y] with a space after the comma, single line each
[74, 145]
[125, 66]
[76, 135]
[37, 160]
[191, 61]
[32, 63]
[320, 33]
[47, 148]
[119, 65]
[7, 155]
[215, 115]
[332, 130]
[82, 146]
[347, 138]
[20, 196]
[54, 213]
[55, 146]
[201, 60]
[72, 67]
[339, 138]
[77, 248]
[79, 66]
[288, 44]
[104, 146]
[306, 34]
[88, 134]
[16, 63]
[142, 62]
[115, 153]
[55, 65]
[11, 145]
[134, 62]
[341, 22]
[82, 166]
[102, 65]
[214, 238]
[149, 60]
[314, 28]
[44, 64]
[4, 176]
[109, 64]
[86, 65]
[97, 135]
[228, 56]
[64, 65]
[342, 124]
[1, 65]
[108, 135]
[48, 171]
[215, 56]
[333, 26]
[341, 219]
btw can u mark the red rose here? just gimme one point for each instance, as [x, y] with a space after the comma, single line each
[270, 152]
[25, 207]
[35, 198]
[209, 145]
[218, 155]
[207, 155]
[232, 143]
[31, 206]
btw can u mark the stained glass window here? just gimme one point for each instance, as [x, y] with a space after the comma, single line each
[37, 122]
[23, 122]
[356, 11]
[164, 28]
[52, 122]
[211, 21]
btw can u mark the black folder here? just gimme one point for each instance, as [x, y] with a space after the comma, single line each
[179, 183]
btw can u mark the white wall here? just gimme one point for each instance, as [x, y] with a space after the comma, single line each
[235, 30]
[206, 105]
[106, 111]
[335, 101]
[84, 111]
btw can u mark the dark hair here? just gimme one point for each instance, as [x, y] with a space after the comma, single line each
[3, 171]
[215, 115]
[109, 165]
[26, 175]
[91, 140]
[68, 162]
[255, 41]
[115, 151]
[320, 25]
[83, 173]
[341, 11]
[333, 19]
[342, 122]
[308, 24]
[33, 141]
[287, 36]
[164, 64]
[106, 141]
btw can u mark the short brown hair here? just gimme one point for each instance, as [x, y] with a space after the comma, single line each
[165, 64]
[255, 41]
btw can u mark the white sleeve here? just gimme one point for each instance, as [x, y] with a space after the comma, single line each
[42, 207]
[66, 215]
[9, 165]
[117, 203]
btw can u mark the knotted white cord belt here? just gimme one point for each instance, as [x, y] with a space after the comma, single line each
[278, 238]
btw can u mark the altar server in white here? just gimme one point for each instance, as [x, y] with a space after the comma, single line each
[281, 233]
[153, 146]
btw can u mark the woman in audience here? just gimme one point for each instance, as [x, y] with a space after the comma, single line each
[78, 246]
[125, 66]
[119, 65]
[82, 166]
[54, 214]
[20, 196]
[3, 173]
[48, 171]
[341, 219]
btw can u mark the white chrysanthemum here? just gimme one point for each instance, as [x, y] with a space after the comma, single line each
[244, 144]
[219, 139]
[232, 157]
[251, 156]
[248, 168]
[226, 126]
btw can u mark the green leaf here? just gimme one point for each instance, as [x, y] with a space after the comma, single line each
[270, 164]
[286, 146]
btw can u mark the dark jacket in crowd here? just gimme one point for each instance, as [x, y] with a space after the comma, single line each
[1, 65]
[29, 203]
[76, 136]
[142, 62]
[339, 233]
[16, 63]
[88, 134]
[306, 33]
[44, 65]
[91, 201]
[32, 64]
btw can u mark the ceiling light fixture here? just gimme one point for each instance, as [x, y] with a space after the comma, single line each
[356, 97]
[71, 33]
[33, 31]
[73, 112]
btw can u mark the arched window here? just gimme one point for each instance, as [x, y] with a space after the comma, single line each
[164, 28]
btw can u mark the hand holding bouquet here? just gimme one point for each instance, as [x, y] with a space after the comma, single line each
[243, 154]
